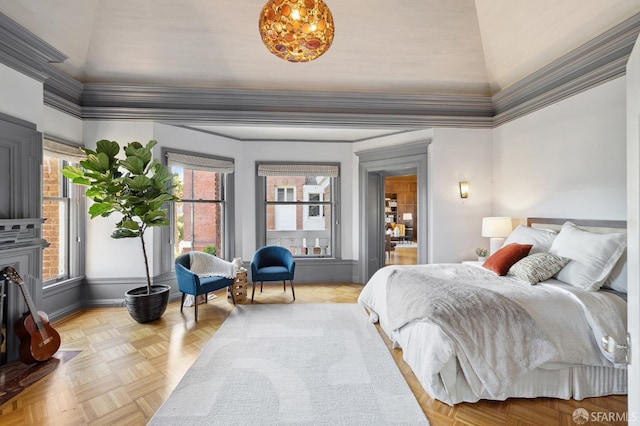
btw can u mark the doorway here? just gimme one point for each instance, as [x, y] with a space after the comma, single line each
[401, 221]
[374, 166]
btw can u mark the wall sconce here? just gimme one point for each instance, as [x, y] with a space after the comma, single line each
[464, 189]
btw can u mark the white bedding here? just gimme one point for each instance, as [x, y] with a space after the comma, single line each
[572, 320]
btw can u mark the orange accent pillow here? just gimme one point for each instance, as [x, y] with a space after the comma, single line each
[500, 261]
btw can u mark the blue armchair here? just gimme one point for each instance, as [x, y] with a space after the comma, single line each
[272, 263]
[191, 283]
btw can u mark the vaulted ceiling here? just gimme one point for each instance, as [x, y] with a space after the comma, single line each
[465, 48]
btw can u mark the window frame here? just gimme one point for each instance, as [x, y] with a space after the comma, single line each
[75, 253]
[228, 211]
[334, 204]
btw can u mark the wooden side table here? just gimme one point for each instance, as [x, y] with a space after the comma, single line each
[239, 288]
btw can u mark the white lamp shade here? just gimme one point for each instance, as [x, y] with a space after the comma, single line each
[407, 216]
[496, 227]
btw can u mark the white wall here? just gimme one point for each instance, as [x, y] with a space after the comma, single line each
[566, 160]
[455, 223]
[20, 96]
[58, 124]
[108, 257]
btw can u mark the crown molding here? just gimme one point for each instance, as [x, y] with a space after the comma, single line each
[581, 83]
[64, 86]
[602, 59]
[288, 118]
[25, 52]
[233, 106]
[62, 104]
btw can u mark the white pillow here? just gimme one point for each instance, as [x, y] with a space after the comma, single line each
[617, 280]
[592, 255]
[541, 239]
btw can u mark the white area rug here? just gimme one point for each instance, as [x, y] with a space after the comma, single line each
[302, 364]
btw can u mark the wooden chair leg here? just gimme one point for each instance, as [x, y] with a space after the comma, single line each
[182, 302]
[284, 285]
[261, 282]
[196, 305]
[253, 291]
[293, 291]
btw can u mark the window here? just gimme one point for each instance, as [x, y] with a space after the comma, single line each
[298, 208]
[200, 218]
[315, 210]
[60, 208]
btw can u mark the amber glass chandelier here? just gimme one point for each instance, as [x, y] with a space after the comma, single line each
[296, 30]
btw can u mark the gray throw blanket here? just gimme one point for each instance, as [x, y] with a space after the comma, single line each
[493, 336]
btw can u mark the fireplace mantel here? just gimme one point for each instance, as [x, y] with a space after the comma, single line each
[20, 247]
[21, 242]
[20, 232]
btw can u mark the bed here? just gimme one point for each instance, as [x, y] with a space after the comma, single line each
[471, 333]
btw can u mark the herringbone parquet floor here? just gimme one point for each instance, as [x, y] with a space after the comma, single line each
[126, 370]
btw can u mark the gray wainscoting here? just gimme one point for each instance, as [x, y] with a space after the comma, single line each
[109, 292]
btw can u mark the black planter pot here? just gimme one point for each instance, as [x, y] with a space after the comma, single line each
[145, 307]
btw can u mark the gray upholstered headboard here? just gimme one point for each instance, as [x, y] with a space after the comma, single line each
[598, 226]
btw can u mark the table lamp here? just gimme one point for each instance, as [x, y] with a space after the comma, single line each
[497, 229]
[407, 217]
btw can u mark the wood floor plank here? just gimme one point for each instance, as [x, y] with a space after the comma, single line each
[127, 370]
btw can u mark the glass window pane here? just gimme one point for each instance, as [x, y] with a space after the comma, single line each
[293, 227]
[292, 187]
[55, 232]
[199, 184]
[198, 224]
[51, 177]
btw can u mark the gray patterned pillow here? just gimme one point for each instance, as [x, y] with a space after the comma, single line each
[538, 267]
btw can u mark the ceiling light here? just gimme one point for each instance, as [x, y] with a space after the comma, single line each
[296, 30]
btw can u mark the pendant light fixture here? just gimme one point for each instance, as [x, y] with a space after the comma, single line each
[296, 30]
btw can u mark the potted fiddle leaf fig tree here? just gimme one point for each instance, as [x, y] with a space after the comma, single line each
[135, 187]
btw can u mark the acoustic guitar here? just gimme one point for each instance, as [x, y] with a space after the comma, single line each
[38, 340]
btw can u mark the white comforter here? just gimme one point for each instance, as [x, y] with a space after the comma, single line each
[572, 322]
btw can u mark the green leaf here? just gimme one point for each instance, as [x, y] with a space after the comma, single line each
[140, 152]
[161, 175]
[91, 163]
[103, 161]
[130, 224]
[94, 191]
[154, 215]
[139, 183]
[81, 181]
[157, 202]
[100, 209]
[109, 148]
[124, 233]
[71, 172]
[133, 164]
